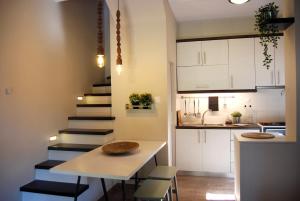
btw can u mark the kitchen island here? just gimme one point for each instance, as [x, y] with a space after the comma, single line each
[260, 169]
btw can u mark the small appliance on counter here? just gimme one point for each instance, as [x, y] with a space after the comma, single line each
[272, 127]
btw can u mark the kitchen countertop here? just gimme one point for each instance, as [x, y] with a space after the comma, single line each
[217, 126]
[278, 138]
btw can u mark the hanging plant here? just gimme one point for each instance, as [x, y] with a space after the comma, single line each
[268, 31]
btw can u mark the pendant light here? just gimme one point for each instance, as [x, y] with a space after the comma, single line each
[100, 48]
[119, 57]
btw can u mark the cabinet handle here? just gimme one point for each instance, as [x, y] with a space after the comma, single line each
[272, 77]
[278, 77]
[204, 55]
[199, 58]
[205, 136]
[199, 139]
[231, 81]
[202, 86]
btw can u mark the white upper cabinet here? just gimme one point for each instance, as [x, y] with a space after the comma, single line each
[202, 78]
[202, 65]
[264, 76]
[215, 52]
[275, 75]
[241, 64]
[280, 63]
[189, 54]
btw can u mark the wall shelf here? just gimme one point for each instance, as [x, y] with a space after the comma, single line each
[282, 23]
[137, 107]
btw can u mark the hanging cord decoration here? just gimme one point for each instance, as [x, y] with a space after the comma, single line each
[118, 26]
[100, 48]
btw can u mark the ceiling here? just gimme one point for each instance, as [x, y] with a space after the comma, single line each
[192, 10]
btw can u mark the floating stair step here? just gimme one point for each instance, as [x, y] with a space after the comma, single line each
[91, 118]
[97, 94]
[94, 105]
[102, 85]
[73, 147]
[46, 165]
[87, 131]
[53, 188]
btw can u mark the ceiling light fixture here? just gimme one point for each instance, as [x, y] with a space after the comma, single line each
[238, 1]
[119, 57]
[100, 48]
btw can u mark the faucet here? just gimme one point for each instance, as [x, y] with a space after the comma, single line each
[203, 115]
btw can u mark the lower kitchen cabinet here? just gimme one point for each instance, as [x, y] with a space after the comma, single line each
[216, 150]
[188, 149]
[206, 150]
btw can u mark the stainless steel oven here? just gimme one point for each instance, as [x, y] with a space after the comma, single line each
[273, 127]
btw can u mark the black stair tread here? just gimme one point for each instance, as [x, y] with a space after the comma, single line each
[46, 165]
[91, 118]
[97, 94]
[73, 147]
[94, 105]
[102, 85]
[53, 188]
[87, 131]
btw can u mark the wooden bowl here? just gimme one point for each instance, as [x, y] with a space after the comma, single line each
[258, 135]
[118, 148]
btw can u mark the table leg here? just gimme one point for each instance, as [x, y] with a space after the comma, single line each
[136, 180]
[104, 189]
[77, 188]
[123, 190]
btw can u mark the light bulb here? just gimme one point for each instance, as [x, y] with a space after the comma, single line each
[238, 1]
[119, 68]
[53, 138]
[100, 60]
[80, 98]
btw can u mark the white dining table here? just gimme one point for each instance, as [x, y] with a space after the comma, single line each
[119, 167]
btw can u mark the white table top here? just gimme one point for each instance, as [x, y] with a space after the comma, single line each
[97, 164]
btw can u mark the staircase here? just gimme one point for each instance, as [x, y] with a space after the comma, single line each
[89, 129]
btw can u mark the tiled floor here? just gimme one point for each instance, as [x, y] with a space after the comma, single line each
[190, 189]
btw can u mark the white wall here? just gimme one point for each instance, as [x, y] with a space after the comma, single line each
[266, 105]
[46, 59]
[144, 30]
[215, 27]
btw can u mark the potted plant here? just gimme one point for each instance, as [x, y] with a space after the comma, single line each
[236, 117]
[134, 99]
[268, 31]
[146, 99]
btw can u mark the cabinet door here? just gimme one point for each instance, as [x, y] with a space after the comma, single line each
[202, 78]
[264, 76]
[215, 52]
[188, 149]
[241, 64]
[216, 150]
[280, 63]
[189, 53]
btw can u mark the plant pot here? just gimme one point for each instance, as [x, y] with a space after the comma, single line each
[236, 120]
